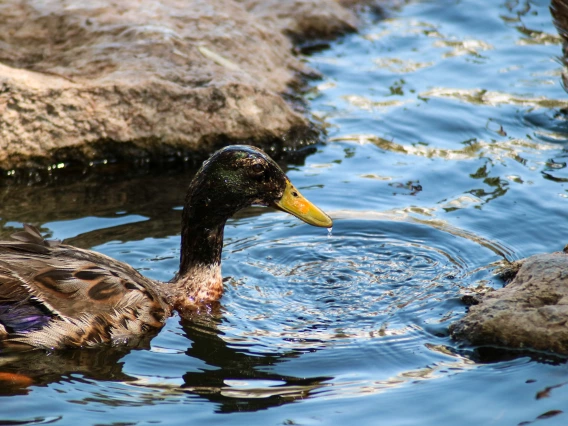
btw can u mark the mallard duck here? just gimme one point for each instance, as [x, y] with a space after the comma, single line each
[54, 296]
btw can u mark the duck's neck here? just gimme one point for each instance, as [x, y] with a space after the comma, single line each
[199, 278]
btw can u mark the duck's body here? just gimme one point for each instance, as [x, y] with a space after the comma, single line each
[54, 295]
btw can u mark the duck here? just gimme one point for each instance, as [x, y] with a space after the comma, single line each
[56, 296]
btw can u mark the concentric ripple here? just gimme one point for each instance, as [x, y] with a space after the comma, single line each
[382, 287]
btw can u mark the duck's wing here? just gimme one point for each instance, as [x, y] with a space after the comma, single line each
[55, 295]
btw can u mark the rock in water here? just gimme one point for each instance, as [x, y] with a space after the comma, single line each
[82, 81]
[531, 312]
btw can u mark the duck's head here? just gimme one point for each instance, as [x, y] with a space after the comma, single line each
[239, 176]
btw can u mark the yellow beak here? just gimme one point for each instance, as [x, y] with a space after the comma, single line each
[294, 203]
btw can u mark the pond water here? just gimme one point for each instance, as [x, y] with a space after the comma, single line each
[446, 153]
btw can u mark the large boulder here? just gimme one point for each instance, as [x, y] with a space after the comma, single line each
[82, 81]
[531, 312]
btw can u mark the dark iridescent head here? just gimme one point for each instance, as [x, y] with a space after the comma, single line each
[239, 176]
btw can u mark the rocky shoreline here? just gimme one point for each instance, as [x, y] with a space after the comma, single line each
[82, 82]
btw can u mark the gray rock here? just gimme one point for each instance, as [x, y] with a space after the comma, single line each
[81, 81]
[530, 312]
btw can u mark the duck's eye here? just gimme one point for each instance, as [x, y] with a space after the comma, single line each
[257, 168]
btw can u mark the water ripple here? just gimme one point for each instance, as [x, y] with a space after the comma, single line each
[381, 285]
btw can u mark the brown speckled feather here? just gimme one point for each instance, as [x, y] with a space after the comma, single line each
[86, 297]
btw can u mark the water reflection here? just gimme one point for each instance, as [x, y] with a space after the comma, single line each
[154, 194]
[235, 379]
[240, 380]
[111, 195]
[385, 283]
[500, 185]
[20, 371]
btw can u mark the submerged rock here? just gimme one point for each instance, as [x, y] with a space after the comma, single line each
[531, 312]
[81, 81]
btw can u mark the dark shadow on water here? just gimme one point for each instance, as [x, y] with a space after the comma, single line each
[22, 369]
[496, 354]
[240, 380]
[155, 192]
